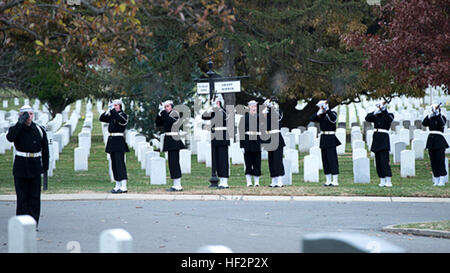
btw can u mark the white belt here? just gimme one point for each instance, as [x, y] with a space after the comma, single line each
[174, 133]
[220, 128]
[328, 132]
[437, 133]
[381, 131]
[23, 154]
[115, 134]
[273, 131]
[253, 133]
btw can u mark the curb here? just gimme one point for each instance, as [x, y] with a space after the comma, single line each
[418, 232]
[217, 197]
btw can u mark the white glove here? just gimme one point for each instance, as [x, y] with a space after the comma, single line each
[325, 108]
[161, 107]
[320, 112]
[268, 103]
[376, 112]
[266, 110]
[110, 106]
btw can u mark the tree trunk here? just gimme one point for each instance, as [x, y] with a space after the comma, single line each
[229, 53]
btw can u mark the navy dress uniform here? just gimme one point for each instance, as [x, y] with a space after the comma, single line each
[30, 161]
[273, 142]
[250, 143]
[166, 118]
[116, 145]
[220, 140]
[381, 146]
[328, 142]
[436, 144]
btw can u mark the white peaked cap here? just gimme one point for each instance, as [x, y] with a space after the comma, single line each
[252, 102]
[168, 102]
[26, 108]
[322, 102]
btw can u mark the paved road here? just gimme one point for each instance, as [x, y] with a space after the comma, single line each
[160, 226]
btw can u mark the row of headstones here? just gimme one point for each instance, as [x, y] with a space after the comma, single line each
[22, 239]
[59, 131]
[151, 161]
[82, 152]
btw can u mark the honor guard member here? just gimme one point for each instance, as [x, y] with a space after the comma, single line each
[166, 118]
[220, 139]
[273, 142]
[250, 143]
[328, 142]
[380, 142]
[30, 161]
[436, 144]
[116, 145]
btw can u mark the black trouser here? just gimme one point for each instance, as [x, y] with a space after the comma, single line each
[330, 160]
[28, 191]
[118, 166]
[252, 163]
[221, 160]
[276, 166]
[174, 164]
[437, 159]
[382, 162]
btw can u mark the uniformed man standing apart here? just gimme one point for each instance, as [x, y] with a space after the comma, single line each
[328, 142]
[220, 139]
[381, 146]
[273, 141]
[436, 144]
[166, 118]
[250, 143]
[116, 145]
[30, 161]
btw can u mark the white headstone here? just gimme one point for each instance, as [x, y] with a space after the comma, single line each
[311, 168]
[185, 161]
[361, 170]
[201, 153]
[407, 164]
[237, 157]
[304, 142]
[148, 156]
[208, 158]
[341, 135]
[287, 178]
[157, 171]
[292, 156]
[116, 241]
[317, 152]
[398, 148]
[22, 234]
[360, 152]
[418, 146]
[80, 159]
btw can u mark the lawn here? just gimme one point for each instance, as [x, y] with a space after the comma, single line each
[96, 179]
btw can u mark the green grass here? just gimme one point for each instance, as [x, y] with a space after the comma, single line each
[96, 179]
[439, 225]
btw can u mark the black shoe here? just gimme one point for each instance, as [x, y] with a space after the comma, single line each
[116, 191]
[223, 187]
[125, 191]
[171, 189]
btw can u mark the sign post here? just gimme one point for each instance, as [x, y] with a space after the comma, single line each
[211, 85]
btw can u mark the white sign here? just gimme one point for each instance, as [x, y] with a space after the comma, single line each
[227, 87]
[73, 2]
[203, 88]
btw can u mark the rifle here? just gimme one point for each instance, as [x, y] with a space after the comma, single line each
[45, 180]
